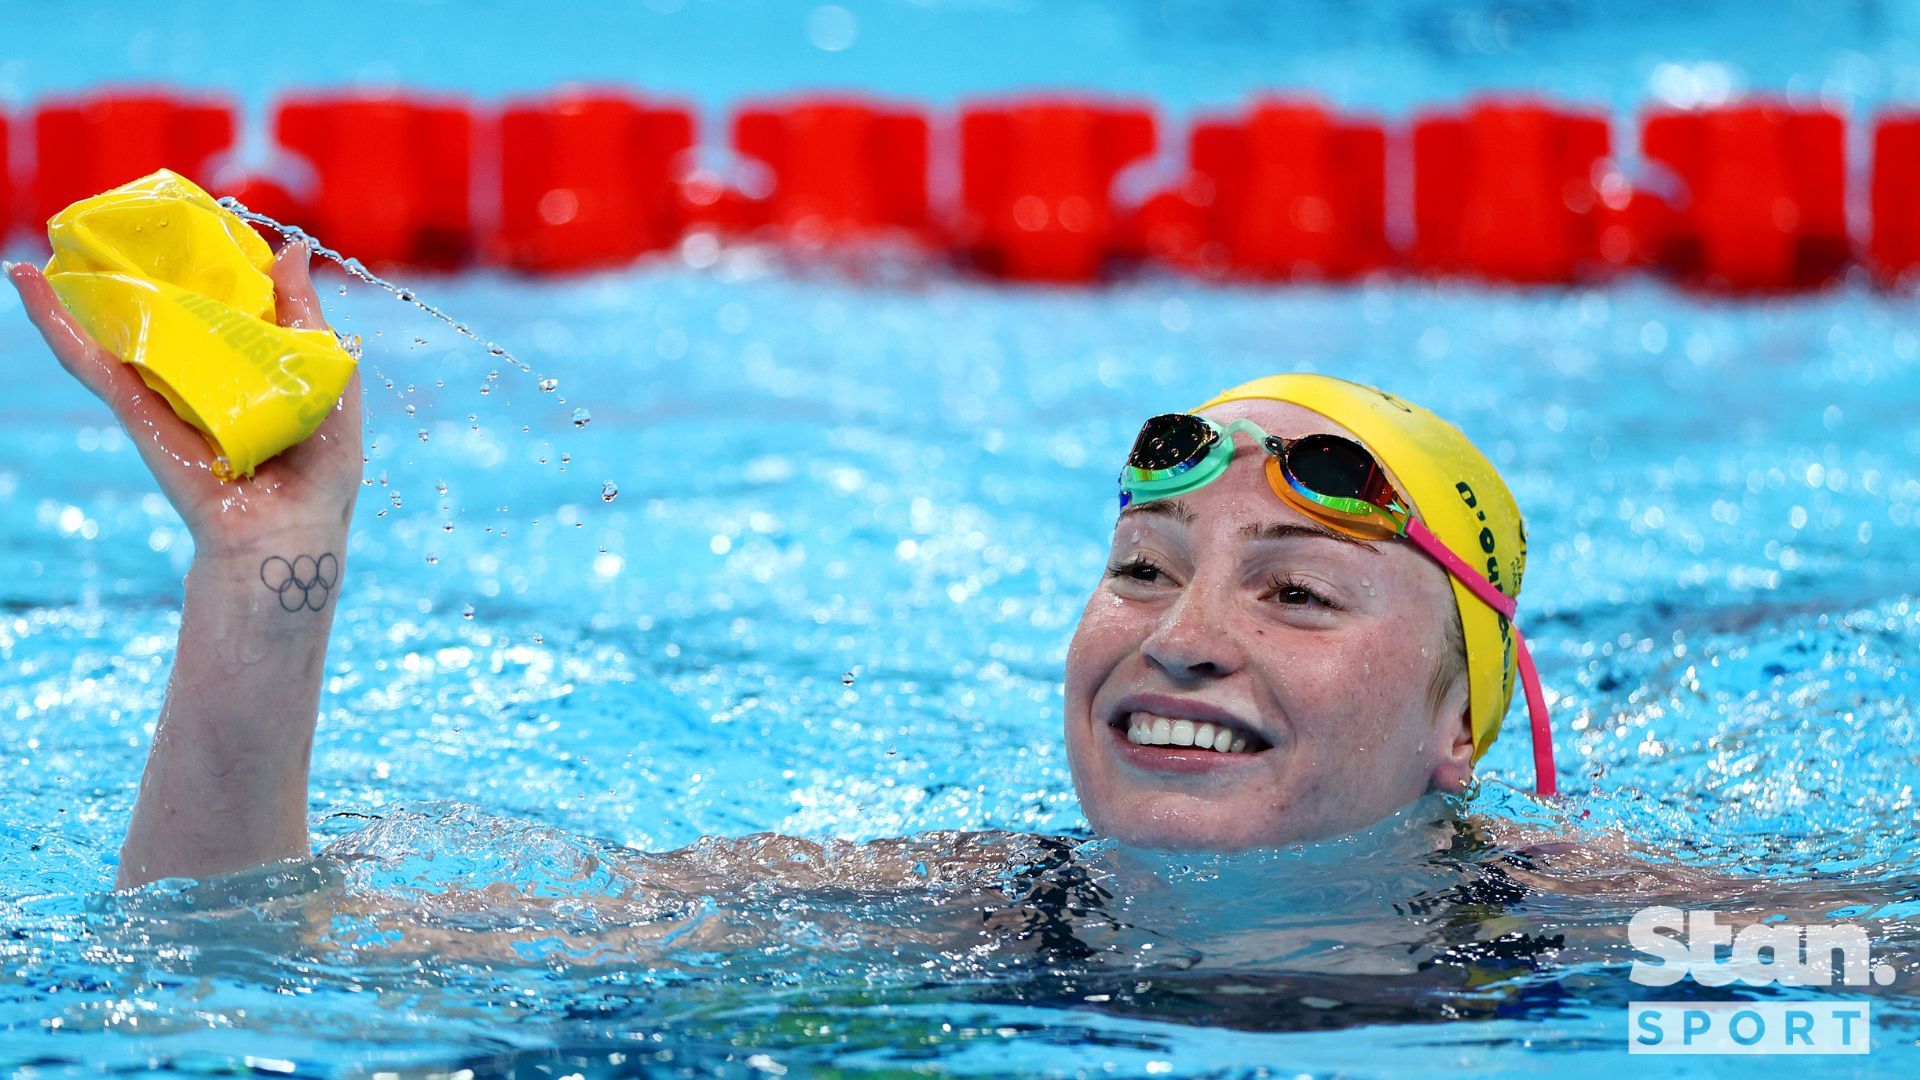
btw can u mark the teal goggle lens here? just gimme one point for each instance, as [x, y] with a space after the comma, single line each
[1169, 443]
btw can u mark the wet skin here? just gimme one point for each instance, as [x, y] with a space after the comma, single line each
[1228, 606]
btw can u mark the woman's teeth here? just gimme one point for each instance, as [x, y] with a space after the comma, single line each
[1145, 729]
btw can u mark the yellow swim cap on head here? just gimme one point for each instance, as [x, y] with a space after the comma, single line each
[1456, 492]
[173, 283]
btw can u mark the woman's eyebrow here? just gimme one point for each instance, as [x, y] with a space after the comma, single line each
[1287, 530]
[1176, 509]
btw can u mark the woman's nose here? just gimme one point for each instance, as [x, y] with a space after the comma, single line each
[1192, 639]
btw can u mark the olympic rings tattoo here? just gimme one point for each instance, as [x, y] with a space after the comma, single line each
[303, 583]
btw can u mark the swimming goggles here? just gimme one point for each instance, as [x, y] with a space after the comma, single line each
[1336, 482]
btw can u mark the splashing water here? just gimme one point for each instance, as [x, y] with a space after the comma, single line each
[359, 270]
[353, 344]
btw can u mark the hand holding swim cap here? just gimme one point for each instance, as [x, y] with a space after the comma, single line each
[305, 492]
[174, 284]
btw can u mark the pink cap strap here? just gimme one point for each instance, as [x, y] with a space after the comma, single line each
[1543, 771]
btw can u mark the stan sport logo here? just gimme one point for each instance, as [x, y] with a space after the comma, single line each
[1696, 945]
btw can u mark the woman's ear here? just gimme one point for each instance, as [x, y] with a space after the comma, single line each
[1453, 723]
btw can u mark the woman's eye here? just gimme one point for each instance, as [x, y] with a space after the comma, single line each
[1295, 594]
[1135, 569]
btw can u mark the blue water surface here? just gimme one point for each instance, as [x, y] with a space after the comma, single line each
[807, 562]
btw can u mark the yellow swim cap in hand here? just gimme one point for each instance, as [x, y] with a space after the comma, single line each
[168, 280]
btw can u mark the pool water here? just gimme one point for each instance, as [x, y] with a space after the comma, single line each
[849, 531]
[787, 560]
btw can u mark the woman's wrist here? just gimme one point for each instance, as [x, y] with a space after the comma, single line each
[296, 570]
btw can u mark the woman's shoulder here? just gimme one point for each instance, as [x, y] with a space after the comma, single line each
[937, 859]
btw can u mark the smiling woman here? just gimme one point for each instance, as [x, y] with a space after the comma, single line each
[1263, 663]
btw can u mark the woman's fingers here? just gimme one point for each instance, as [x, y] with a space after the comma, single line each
[164, 440]
[297, 305]
[72, 346]
[295, 302]
[342, 426]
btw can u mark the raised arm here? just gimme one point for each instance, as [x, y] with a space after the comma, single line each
[225, 785]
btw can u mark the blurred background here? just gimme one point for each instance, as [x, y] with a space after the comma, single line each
[1375, 55]
[764, 495]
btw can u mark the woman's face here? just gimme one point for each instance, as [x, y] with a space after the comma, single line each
[1227, 615]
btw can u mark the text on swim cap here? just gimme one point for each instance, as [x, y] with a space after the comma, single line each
[285, 371]
[1489, 545]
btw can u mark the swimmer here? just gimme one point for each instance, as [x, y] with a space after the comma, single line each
[1303, 626]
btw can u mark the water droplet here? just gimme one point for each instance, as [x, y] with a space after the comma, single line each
[343, 290]
[847, 679]
[564, 458]
[433, 560]
[447, 527]
[609, 491]
[539, 638]
[581, 418]
[548, 386]
[419, 341]
[410, 410]
[466, 612]
[440, 486]
[423, 435]
[394, 498]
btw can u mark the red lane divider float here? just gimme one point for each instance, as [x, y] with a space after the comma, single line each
[588, 179]
[1288, 191]
[1895, 248]
[87, 145]
[1764, 203]
[1746, 196]
[1037, 184]
[1509, 190]
[841, 167]
[394, 175]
